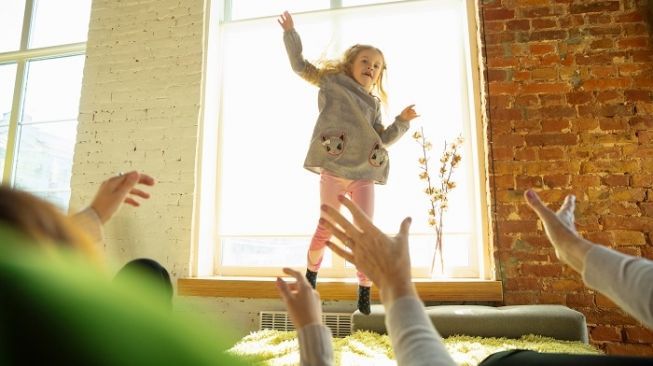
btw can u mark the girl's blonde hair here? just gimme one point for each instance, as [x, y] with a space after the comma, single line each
[43, 223]
[334, 66]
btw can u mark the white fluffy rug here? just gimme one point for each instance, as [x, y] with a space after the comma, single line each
[270, 347]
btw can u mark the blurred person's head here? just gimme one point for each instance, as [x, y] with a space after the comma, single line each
[41, 222]
[149, 270]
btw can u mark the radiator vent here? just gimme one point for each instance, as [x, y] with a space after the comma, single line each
[339, 323]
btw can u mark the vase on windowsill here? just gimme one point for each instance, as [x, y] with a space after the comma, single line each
[437, 263]
[438, 191]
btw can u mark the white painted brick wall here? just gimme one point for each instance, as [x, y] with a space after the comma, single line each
[139, 109]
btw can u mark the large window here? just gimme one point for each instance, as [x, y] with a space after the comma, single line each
[41, 64]
[267, 204]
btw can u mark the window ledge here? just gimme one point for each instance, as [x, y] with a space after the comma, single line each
[338, 289]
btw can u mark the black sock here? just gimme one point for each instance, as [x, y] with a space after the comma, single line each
[364, 300]
[311, 277]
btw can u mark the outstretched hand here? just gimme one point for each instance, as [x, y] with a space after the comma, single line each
[302, 301]
[559, 226]
[385, 260]
[408, 114]
[286, 22]
[116, 190]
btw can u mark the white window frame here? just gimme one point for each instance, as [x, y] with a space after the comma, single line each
[205, 258]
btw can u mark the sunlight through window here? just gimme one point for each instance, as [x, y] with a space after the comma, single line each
[269, 204]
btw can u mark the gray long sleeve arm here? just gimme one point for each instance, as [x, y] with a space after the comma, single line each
[414, 339]
[391, 134]
[315, 345]
[626, 280]
[294, 48]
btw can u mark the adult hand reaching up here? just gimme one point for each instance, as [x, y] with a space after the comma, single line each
[570, 247]
[302, 302]
[385, 260]
[118, 189]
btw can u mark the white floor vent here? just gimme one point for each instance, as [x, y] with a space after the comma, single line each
[339, 323]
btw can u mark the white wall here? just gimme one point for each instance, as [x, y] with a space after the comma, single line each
[140, 109]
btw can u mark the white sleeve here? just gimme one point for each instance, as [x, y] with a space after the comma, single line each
[315, 345]
[414, 339]
[626, 280]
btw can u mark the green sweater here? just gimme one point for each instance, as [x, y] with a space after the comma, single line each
[55, 308]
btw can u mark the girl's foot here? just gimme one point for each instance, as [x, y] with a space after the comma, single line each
[311, 277]
[364, 300]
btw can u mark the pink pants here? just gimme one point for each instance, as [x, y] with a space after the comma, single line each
[361, 193]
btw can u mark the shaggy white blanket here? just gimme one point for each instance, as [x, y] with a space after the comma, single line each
[271, 347]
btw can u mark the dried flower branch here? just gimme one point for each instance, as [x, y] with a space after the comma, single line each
[438, 193]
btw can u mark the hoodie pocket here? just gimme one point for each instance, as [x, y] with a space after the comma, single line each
[378, 156]
[334, 143]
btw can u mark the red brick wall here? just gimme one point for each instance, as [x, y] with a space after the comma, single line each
[569, 87]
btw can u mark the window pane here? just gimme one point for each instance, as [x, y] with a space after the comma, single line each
[267, 252]
[56, 23]
[263, 252]
[45, 148]
[262, 170]
[3, 148]
[53, 89]
[11, 24]
[44, 160]
[7, 80]
[244, 9]
[265, 190]
[252, 170]
[455, 247]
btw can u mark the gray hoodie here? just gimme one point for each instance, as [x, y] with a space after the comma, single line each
[345, 141]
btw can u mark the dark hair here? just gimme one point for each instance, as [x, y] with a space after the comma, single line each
[151, 270]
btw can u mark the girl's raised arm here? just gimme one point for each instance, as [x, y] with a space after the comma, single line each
[294, 48]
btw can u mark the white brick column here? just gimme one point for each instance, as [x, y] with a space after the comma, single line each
[139, 109]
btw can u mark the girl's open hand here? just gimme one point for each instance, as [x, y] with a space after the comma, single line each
[286, 22]
[408, 113]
